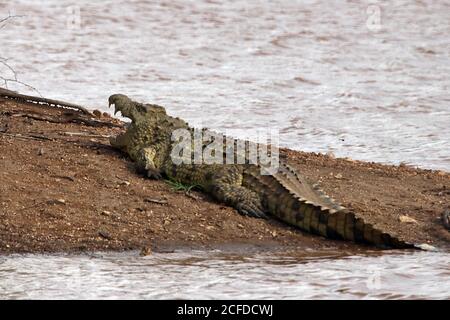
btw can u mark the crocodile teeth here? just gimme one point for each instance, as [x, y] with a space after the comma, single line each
[115, 108]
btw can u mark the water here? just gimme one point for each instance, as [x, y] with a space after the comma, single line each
[368, 80]
[222, 275]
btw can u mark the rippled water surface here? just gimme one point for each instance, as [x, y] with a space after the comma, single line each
[365, 79]
[219, 275]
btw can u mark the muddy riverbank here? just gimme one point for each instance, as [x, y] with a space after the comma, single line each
[64, 189]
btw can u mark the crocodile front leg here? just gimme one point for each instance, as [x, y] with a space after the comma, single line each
[120, 141]
[146, 161]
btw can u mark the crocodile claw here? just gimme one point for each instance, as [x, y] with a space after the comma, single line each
[251, 210]
[154, 174]
[115, 108]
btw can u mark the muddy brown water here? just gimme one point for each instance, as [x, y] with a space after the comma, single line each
[368, 80]
[225, 275]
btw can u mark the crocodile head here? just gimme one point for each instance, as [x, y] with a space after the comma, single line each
[131, 109]
[121, 103]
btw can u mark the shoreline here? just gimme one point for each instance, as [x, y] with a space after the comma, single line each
[66, 190]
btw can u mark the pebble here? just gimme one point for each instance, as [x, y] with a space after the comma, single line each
[158, 201]
[331, 154]
[104, 234]
[145, 251]
[407, 219]
[56, 201]
[97, 113]
[426, 247]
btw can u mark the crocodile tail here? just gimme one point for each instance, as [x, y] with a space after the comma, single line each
[289, 197]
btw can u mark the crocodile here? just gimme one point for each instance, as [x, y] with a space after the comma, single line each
[284, 194]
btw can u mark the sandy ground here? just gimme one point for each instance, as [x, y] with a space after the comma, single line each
[61, 192]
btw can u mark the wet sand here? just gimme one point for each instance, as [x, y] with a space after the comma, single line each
[66, 192]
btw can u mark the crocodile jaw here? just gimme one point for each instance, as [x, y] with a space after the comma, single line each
[120, 104]
[115, 109]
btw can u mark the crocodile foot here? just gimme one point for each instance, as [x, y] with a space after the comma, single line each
[251, 209]
[153, 174]
[247, 202]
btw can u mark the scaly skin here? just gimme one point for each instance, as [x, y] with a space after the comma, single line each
[285, 194]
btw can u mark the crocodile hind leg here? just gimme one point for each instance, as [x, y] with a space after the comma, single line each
[247, 202]
[227, 187]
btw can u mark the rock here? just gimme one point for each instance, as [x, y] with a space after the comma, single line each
[145, 251]
[426, 247]
[41, 151]
[338, 176]
[105, 234]
[56, 201]
[406, 219]
[158, 201]
[125, 183]
[330, 154]
[106, 213]
[97, 113]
